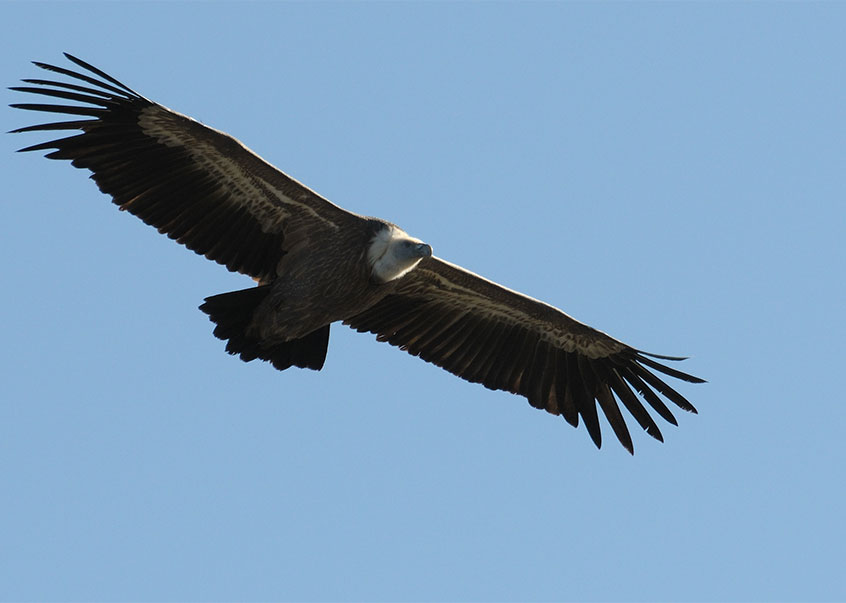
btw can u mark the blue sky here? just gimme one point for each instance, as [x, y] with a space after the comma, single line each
[670, 173]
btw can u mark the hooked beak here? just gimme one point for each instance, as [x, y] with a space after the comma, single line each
[424, 250]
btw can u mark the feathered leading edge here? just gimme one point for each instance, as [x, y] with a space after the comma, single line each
[514, 358]
[163, 184]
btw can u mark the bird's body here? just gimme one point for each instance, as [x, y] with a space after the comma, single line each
[316, 263]
[315, 286]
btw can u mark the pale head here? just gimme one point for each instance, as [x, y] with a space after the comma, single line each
[393, 253]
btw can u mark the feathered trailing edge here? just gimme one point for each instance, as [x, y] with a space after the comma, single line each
[178, 188]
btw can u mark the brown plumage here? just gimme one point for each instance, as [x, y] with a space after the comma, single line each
[317, 263]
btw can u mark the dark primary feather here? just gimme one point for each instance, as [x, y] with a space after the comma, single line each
[487, 334]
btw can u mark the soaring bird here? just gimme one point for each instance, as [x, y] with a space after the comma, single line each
[316, 263]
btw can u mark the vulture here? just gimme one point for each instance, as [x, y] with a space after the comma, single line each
[316, 263]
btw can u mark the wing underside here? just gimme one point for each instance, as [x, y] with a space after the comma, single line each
[195, 184]
[488, 334]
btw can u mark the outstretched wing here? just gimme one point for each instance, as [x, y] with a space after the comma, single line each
[487, 334]
[199, 186]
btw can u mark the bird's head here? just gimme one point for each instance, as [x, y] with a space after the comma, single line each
[393, 253]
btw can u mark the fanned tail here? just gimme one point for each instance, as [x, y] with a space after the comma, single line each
[233, 313]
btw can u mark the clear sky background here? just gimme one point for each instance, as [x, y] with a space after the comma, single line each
[672, 174]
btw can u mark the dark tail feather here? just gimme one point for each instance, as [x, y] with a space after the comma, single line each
[233, 312]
